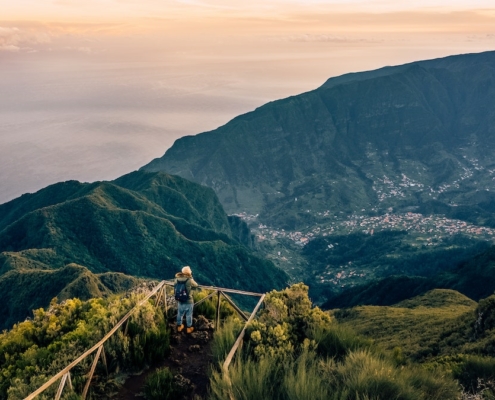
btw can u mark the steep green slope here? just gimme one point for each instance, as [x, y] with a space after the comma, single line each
[24, 290]
[472, 278]
[397, 137]
[143, 224]
[437, 324]
[415, 328]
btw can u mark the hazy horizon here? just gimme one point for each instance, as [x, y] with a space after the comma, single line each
[93, 90]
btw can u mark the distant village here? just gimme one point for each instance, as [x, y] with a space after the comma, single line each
[427, 230]
[430, 228]
[434, 227]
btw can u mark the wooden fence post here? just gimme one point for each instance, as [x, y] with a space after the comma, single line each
[217, 321]
[158, 298]
[104, 359]
[93, 367]
[70, 381]
[61, 387]
[166, 301]
[229, 357]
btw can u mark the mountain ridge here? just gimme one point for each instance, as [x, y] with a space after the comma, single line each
[329, 148]
[144, 225]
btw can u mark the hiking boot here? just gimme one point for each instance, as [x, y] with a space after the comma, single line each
[190, 329]
[180, 328]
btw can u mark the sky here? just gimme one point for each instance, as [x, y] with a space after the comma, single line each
[93, 89]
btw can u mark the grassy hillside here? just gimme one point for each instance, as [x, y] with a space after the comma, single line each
[293, 350]
[437, 324]
[442, 329]
[143, 225]
[297, 352]
[23, 290]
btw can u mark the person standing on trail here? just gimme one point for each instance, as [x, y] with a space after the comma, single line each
[183, 286]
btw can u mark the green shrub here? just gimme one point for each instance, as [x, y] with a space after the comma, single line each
[160, 385]
[225, 337]
[365, 375]
[247, 379]
[285, 323]
[35, 350]
[473, 371]
[303, 379]
[337, 341]
[208, 308]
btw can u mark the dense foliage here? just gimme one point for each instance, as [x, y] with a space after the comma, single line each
[143, 224]
[160, 385]
[34, 350]
[472, 276]
[442, 329]
[296, 351]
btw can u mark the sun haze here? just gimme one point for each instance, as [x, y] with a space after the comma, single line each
[96, 88]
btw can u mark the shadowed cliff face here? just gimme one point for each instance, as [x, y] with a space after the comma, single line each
[397, 137]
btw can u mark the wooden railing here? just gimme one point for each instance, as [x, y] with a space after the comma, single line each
[161, 295]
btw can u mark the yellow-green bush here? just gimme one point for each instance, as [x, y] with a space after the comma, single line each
[285, 323]
[37, 349]
[208, 308]
[295, 351]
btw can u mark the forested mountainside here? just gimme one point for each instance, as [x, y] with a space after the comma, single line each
[414, 137]
[472, 278]
[76, 239]
[371, 176]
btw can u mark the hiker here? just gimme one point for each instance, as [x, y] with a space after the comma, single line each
[184, 285]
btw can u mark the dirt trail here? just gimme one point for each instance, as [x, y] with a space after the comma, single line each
[190, 356]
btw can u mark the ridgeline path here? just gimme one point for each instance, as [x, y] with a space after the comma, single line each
[190, 356]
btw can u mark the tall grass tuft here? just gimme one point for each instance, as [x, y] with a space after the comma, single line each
[160, 386]
[247, 380]
[365, 375]
[225, 337]
[336, 341]
[476, 371]
[303, 379]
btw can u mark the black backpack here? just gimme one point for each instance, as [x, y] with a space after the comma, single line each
[181, 294]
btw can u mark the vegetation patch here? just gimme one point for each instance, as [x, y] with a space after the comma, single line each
[296, 351]
[35, 350]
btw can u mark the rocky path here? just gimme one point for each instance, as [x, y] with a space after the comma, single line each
[190, 358]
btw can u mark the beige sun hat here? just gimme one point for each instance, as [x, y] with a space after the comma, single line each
[187, 270]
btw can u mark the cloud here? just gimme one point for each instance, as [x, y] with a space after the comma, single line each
[82, 49]
[481, 38]
[13, 39]
[326, 38]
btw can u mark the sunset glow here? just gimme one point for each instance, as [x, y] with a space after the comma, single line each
[120, 80]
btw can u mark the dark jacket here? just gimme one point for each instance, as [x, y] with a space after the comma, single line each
[190, 285]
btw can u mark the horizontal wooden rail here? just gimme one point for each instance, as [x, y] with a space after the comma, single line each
[96, 346]
[171, 283]
[64, 374]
